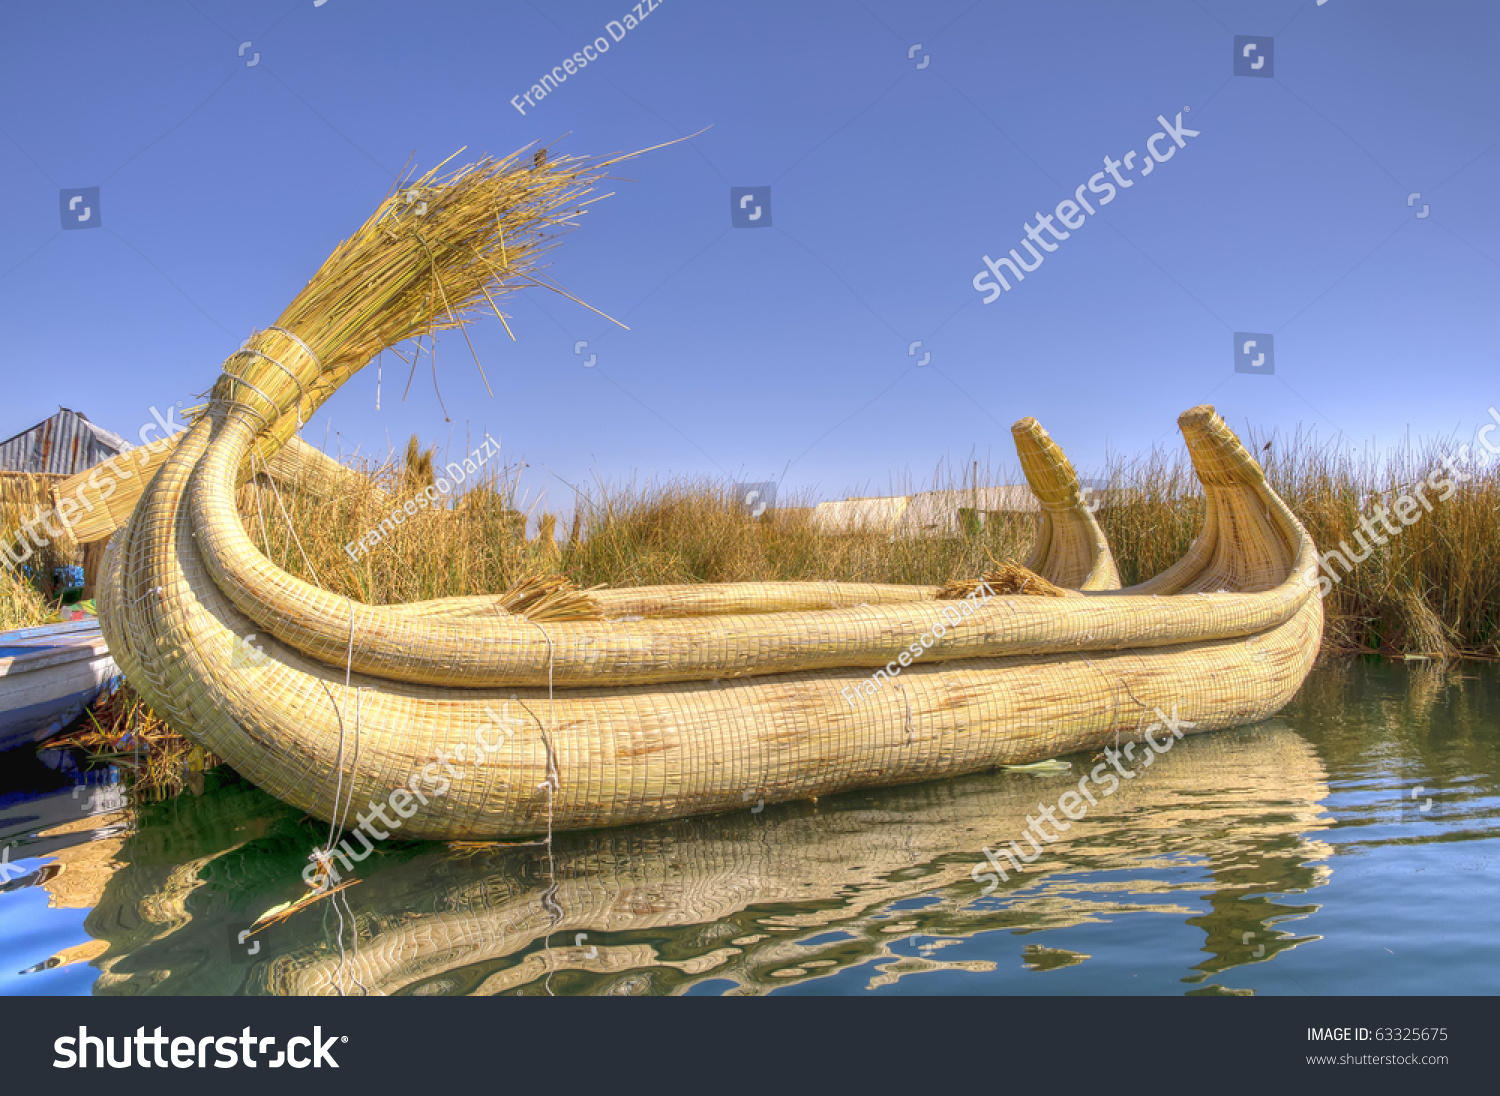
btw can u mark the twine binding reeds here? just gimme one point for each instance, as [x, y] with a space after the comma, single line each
[246, 348]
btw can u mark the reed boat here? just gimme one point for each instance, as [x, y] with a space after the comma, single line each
[471, 718]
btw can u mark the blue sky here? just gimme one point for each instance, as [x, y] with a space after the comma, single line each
[780, 352]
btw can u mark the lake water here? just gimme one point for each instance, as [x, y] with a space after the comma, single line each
[1348, 846]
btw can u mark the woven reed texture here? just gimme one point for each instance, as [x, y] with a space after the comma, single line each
[705, 599]
[660, 718]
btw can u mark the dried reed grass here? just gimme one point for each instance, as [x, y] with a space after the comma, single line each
[121, 729]
[550, 597]
[22, 498]
[26, 571]
[21, 603]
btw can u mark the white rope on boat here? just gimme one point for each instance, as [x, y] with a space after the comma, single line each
[549, 898]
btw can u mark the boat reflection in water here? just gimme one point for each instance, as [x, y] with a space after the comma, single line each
[750, 901]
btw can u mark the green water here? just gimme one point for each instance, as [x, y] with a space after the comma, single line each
[1347, 847]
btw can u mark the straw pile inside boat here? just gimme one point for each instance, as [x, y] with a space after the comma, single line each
[1007, 578]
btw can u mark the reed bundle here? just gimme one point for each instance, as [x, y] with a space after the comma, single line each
[30, 555]
[550, 597]
[439, 250]
[435, 252]
[23, 499]
[21, 493]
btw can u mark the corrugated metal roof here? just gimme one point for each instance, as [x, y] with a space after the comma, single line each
[63, 445]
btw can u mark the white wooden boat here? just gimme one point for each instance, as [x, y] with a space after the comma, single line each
[48, 675]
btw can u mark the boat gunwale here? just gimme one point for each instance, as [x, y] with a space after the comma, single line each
[511, 651]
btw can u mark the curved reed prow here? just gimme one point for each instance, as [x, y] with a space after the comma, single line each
[1251, 540]
[1070, 549]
